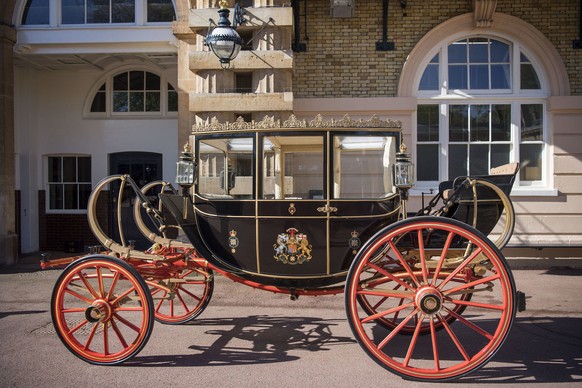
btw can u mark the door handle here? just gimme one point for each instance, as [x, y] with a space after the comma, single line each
[327, 209]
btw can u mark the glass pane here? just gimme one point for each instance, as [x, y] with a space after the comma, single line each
[479, 122]
[98, 11]
[123, 11]
[430, 78]
[137, 80]
[136, 102]
[55, 169]
[428, 123]
[458, 52]
[531, 162]
[120, 102]
[427, 158]
[152, 81]
[531, 122]
[99, 104]
[71, 197]
[529, 77]
[479, 76]
[500, 76]
[84, 193]
[500, 122]
[152, 101]
[457, 161]
[120, 82]
[302, 158]
[84, 169]
[478, 50]
[499, 154]
[458, 123]
[55, 196]
[73, 11]
[36, 12]
[172, 101]
[225, 168]
[457, 77]
[499, 51]
[160, 11]
[359, 167]
[479, 161]
[69, 169]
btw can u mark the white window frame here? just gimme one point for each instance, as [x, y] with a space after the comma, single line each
[515, 97]
[47, 184]
[109, 113]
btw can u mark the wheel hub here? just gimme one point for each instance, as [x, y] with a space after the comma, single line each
[99, 311]
[429, 300]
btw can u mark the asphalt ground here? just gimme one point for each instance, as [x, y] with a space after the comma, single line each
[252, 338]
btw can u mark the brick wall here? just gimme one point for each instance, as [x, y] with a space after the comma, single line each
[342, 61]
[69, 232]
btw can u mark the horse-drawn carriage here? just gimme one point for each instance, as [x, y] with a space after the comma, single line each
[303, 208]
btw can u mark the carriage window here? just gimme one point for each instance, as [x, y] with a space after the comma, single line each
[362, 166]
[293, 167]
[225, 168]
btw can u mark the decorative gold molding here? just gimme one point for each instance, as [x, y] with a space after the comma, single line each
[483, 11]
[319, 121]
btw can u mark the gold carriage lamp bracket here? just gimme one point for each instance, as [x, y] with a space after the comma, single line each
[403, 176]
[186, 174]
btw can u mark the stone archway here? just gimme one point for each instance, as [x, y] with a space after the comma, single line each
[8, 232]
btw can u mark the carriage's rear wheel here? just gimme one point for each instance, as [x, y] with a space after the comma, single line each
[181, 299]
[102, 310]
[431, 296]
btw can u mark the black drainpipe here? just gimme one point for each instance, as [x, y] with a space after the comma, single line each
[577, 43]
[297, 46]
[384, 45]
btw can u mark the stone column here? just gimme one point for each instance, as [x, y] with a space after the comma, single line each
[8, 233]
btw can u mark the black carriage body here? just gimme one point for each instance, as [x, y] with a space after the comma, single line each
[289, 207]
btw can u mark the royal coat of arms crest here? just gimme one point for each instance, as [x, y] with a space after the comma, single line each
[292, 247]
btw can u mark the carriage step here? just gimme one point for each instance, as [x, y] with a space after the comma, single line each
[520, 298]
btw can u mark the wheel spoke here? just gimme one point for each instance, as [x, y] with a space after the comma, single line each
[100, 281]
[443, 257]
[461, 266]
[384, 313]
[77, 295]
[105, 338]
[161, 302]
[126, 322]
[90, 337]
[182, 300]
[390, 276]
[189, 293]
[118, 334]
[88, 285]
[80, 325]
[478, 305]
[120, 297]
[470, 325]
[404, 264]
[470, 285]
[454, 338]
[116, 277]
[422, 256]
[392, 334]
[413, 340]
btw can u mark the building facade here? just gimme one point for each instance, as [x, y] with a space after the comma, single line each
[475, 83]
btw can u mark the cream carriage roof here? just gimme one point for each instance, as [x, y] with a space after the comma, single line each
[319, 122]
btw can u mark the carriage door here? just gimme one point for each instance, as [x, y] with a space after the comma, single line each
[143, 167]
[291, 226]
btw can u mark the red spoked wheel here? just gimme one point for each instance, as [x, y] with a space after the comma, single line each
[446, 280]
[182, 298]
[102, 310]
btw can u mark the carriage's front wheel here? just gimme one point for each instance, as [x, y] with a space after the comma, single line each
[102, 310]
[424, 269]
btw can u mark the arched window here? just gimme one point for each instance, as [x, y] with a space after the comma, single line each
[481, 104]
[134, 92]
[74, 12]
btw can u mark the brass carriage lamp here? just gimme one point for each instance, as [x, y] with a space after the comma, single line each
[223, 40]
[403, 175]
[186, 170]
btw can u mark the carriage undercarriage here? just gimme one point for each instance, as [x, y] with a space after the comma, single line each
[427, 297]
